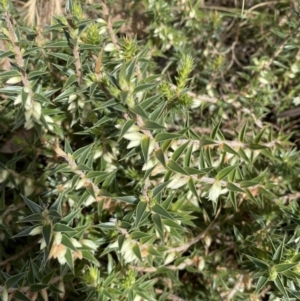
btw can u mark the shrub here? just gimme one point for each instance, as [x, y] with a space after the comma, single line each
[146, 162]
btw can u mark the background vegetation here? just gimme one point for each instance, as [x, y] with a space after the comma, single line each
[149, 150]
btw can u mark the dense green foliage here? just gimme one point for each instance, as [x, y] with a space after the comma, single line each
[142, 152]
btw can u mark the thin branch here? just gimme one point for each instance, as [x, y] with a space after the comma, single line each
[235, 288]
[16, 256]
[171, 297]
[73, 166]
[17, 50]
[107, 16]
[25, 289]
[77, 63]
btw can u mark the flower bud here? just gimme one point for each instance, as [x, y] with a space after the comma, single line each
[72, 97]
[29, 124]
[18, 99]
[215, 191]
[37, 110]
[109, 47]
[61, 287]
[28, 103]
[36, 230]
[44, 294]
[14, 80]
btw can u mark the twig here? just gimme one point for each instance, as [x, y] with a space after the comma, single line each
[111, 32]
[170, 296]
[17, 50]
[235, 288]
[77, 63]
[73, 165]
[16, 256]
[25, 289]
[187, 245]
[280, 48]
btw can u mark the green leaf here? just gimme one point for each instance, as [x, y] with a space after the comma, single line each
[259, 263]
[140, 210]
[225, 171]
[38, 73]
[130, 69]
[192, 188]
[46, 279]
[158, 111]
[144, 87]
[13, 280]
[140, 235]
[233, 187]
[47, 231]
[130, 199]
[179, 151]
[278, 253]
[280, 286]
[167, 136]
[159, 188]
[62, 56]
[162, 211]
[215, 130]
[10, 73]
[63, 44]
[36, 217]
[262, 281]
[37, 287]
[282, 267]
[63, 228]
[158, 225]
[89, 257]
[24, 232]
[72, 79]
[67, 242]
[107, 226]
[69, 260]
[161, 157]
[295, 293]
[35, 208]
[193, 171]
[204, 142]
[139, 111]
[109, 279]
[242, 133]
[174, 166]
[127, 125]
[145, 145]
[20, 296]
[83, 151]
[149, 101]
[137, 252]
[151, 125]
[173, 224]
[229, 150]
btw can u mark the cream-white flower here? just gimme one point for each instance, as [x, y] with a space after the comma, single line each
[28, 114]
[178, 181]
[29, 124]
[109, 47]
[215, 191]
[37, 110]
[150, 163]
[28, 103]
[90, 200]
[89, 243]
[3, 175]
[18, 99]
[14, 80]
[36, 230]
